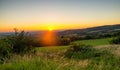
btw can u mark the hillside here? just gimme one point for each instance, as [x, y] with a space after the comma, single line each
[100, 30]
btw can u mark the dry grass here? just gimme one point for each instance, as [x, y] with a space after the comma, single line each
[115, 49]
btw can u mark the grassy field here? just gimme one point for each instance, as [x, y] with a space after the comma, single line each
[57, 61]
[95, 42]
[53, 58]
[51, 48]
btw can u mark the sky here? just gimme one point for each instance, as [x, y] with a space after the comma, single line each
[57, 14]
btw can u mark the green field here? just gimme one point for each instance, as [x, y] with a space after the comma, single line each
[95, 42]
[53, 58]
[51, 48]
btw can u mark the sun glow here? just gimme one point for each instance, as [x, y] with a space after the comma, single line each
[49, 38]
[50, 29]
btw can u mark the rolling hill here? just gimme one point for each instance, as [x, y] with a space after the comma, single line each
[100, 30]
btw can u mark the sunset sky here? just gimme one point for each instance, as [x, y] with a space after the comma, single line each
[57, 14]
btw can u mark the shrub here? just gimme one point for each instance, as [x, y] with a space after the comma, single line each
[5, 50]
[63, 41]
[81, 51]
[115, 40]
[78, 47]
[21, 42]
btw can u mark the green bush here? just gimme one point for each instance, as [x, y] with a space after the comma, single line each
[5, 50]
[82, 51]
[21, 42]
[115, 40]
[64, 41]
[81, 48]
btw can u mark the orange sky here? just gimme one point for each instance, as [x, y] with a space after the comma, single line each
[57, 14]
[54, 26]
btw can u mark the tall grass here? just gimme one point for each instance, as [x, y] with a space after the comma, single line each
[101, 59]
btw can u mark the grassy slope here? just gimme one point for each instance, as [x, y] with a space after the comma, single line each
[55, 60]
[95, 42]
[51, 48]
[52, 58]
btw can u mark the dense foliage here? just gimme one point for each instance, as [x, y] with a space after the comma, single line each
[5, 50]
[17, 43]
[115, 40]
[63, 41]
[79, 49]
[21, 42]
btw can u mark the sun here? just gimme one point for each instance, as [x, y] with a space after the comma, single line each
[50, 29]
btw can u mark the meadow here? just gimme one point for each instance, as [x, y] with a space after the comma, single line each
[54, 58]
[96, 42]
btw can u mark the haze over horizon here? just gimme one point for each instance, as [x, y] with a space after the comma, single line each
[33, 15]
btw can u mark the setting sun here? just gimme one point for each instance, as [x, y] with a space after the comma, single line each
[35, 15]
[59, 34]
[50, 29]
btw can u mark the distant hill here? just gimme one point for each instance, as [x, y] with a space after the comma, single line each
[93, 31]
[100, 30]
[33, 33]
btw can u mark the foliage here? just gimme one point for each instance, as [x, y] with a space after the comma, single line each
[5, 50]
[62, 41]
[84, 51]
[115, 40]
[21, 42]
[78, 47]
[41, 61]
